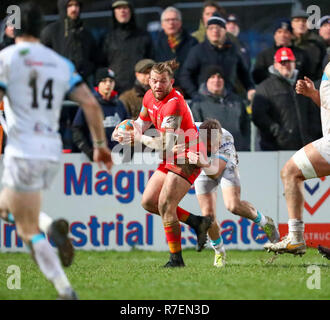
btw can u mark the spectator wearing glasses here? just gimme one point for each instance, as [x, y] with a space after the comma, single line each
[173, 41]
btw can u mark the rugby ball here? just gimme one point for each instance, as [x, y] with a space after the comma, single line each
[126, 125]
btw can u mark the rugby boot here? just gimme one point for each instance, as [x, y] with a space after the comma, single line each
[175, 261]
[286, 246]
[325, 252]
[201, 232]
[220, 260]
[58, 233]
[69, 295]
[271, 230]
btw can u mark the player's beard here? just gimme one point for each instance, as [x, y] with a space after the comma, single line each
[161, 95]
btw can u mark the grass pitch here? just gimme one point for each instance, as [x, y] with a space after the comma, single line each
[139, 275]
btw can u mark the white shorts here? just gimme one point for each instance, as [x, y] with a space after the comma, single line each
[229, 178]
[323, 147]
[28, 175]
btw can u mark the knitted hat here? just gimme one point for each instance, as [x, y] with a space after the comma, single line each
[217, 19]
[211, 71]
[324, 20]
[233, 18]
[103, 73]
[283, 24]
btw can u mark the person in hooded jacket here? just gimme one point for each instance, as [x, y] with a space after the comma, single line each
[113, 110]
[69, 37]
[125, 45]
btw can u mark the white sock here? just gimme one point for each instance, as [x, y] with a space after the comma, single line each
[44, 222]
[296, 230]
[49, 263]
[260, 220]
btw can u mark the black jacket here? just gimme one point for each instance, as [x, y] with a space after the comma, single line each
[266, 58]
[114, 113]
[204, 54]
[163, 52]
[6, 42]
[123, 47]
[229, 109]
[286, 120]
[72, 40]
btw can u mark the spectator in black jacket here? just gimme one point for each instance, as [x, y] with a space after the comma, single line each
[215, 102]
[173, 42]
[282, 38]
[286, 121]
[6, 35]
[113, 110]
[309, 41]
[217, 49]
[324, 32]
[125, 45]
[233, 28]
[71, 39]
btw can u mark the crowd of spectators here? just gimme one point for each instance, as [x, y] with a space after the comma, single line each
[216, 73]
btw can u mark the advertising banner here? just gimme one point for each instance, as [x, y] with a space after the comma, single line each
[105, 213]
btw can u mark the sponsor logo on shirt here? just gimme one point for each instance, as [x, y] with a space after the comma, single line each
[111, 121]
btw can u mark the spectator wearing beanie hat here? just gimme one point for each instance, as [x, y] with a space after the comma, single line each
[133, 97]
[217, 49]
[113, 110]
[282, 38]
[216, 102]
[286, 120]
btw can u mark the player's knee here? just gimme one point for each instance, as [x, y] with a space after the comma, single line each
[148, 204]
[209, 213]
[232, 206]
[289, 171]
[164, 205]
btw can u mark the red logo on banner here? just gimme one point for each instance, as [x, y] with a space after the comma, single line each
[315, 233]
[311, 191]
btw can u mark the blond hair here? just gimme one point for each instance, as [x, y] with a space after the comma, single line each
[167, 66]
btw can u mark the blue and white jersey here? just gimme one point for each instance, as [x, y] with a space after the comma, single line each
[36, 80]
[227, 150]
[325, 101]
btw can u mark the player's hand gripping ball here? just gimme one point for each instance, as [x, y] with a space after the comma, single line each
[125, 131]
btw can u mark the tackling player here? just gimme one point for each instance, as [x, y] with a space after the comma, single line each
[222, 169]
[312, 161]
[36, 80]
[167, 110]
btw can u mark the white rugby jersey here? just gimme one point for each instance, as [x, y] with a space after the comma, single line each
[36, 80]
[227, 150]
[325, 101]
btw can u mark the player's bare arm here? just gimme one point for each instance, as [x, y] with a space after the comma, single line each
[94, 117]
[213, 168]
[306, 88]
[166, 140]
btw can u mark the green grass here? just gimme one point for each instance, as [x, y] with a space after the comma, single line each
[139, 275]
